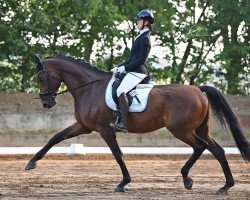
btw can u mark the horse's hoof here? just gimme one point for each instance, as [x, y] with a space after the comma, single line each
[222, 191]
[119, 189]
[188, 183]
[30, 165]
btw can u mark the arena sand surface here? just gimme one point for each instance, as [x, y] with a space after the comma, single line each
[95, 177]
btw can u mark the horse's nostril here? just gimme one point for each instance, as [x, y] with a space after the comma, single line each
[45, 105]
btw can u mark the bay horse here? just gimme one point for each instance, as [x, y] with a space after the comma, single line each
[183, 109]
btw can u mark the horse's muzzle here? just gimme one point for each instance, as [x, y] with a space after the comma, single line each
[49, 103]
[48, 99]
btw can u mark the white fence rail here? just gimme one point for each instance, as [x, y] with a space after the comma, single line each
[80, 149]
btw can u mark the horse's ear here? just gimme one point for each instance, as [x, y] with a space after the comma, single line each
[39, 63]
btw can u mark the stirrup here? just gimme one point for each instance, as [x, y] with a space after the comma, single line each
[114, 127]
[117, 128]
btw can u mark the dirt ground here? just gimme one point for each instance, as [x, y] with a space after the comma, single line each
[95, 177]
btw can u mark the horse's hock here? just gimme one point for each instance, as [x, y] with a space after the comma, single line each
[23, 122]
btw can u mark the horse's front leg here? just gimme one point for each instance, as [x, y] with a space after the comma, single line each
[110, 138]
[72, 131]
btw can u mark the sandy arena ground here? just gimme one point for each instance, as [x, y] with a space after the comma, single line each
[95, 177]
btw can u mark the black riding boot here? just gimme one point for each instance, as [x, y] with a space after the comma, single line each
[124, 106]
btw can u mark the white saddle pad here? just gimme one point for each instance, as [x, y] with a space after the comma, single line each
[142, 92]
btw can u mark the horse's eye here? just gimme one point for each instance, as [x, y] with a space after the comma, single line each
[40, 79]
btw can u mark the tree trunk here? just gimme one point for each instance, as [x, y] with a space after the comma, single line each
[234, 67]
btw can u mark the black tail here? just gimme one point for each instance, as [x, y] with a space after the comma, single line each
[227, 118]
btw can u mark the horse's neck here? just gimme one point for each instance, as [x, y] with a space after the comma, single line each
[79, 76]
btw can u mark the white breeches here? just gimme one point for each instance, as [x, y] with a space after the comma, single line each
[129, 82]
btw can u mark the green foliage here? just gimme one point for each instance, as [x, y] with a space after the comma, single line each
[205, 41]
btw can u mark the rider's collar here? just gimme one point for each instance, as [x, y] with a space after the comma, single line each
[144, 30]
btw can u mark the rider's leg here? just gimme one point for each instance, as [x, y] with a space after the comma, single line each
[128, 83]
[123, 106]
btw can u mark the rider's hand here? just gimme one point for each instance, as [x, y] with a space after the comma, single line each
[120, 69]
[114, 70]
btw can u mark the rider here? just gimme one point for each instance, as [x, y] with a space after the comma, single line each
[135, 66]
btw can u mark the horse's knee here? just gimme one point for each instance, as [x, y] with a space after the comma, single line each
[59, 137]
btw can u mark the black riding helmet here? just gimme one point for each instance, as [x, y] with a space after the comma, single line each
[146, 15]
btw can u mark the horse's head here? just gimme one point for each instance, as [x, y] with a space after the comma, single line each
[48, 83]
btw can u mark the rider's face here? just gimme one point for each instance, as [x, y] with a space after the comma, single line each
[139, 24]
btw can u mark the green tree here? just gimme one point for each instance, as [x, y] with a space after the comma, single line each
[232, 20]
[184, 32]
[191, 32]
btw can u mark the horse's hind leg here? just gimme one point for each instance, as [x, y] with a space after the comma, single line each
[196, 141]
[72, 131]
[219, 154]
[198, 146]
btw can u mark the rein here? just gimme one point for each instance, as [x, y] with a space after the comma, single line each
[54, 94]
[75, 88]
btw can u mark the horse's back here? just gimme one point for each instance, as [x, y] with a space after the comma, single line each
[179, 92]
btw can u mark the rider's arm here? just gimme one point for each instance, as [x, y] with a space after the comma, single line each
[125, 63]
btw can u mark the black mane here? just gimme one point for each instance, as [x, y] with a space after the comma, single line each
[79, 61]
